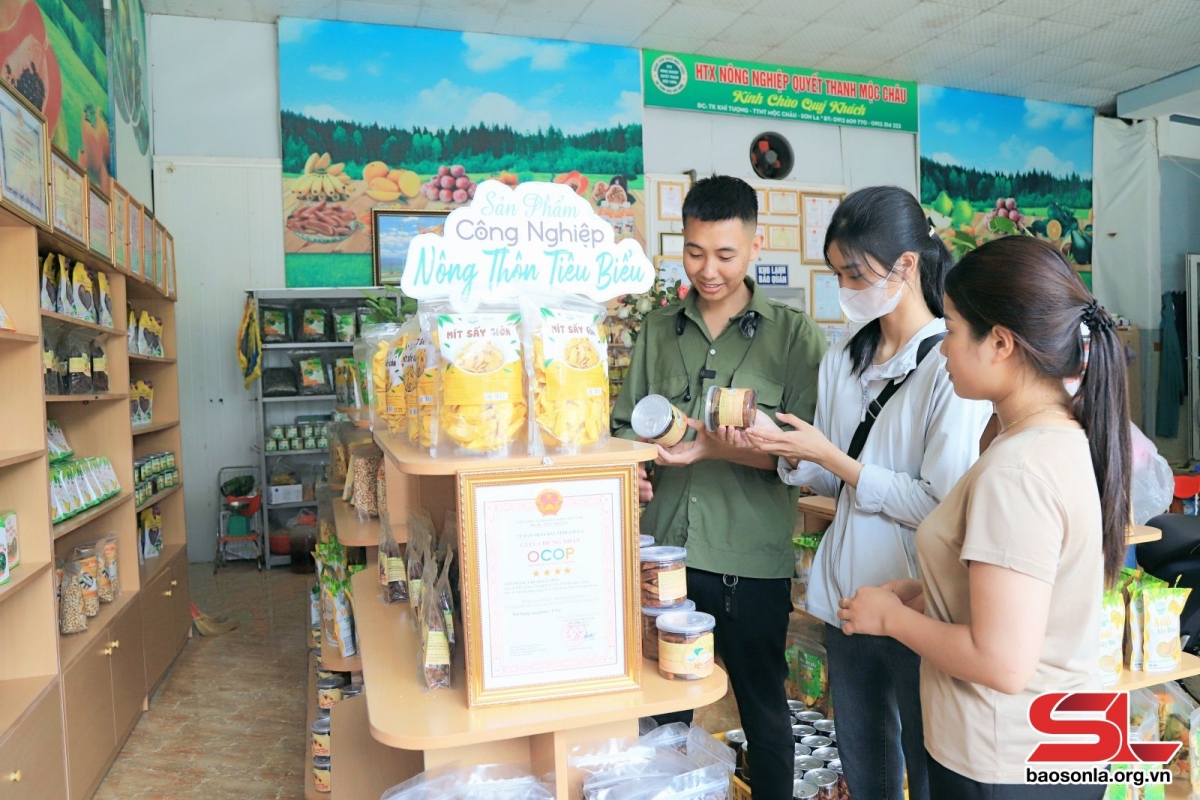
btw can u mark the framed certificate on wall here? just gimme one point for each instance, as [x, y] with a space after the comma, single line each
[100, 236]
[69, 192]
[120, 227]
[550, 582]
[24, 158]
[136, 245]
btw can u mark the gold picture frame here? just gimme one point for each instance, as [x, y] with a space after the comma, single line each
[670, 196]
[160, 279]
[24, 158]
[137, 261]
[68, 197]
[169, 265]
[807, 256]
[783, 238]
[784, 202]
[505, 512]
[392, 230]
[147, 245]
[120, 227]
[100, 223]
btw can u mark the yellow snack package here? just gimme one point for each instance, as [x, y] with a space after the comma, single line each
[377, 341]
[1161, 648]
[396, 401]
[568, 373]
[480, 391]
[1133, 581]
[1112, 630]
[421, 362]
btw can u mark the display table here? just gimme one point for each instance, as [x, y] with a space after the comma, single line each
[440, 726]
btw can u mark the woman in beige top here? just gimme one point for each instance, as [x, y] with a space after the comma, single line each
[1015, 559]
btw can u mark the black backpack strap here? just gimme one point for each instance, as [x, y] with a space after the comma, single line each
[876, 406]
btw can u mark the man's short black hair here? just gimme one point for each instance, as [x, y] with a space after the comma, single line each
[721, 197]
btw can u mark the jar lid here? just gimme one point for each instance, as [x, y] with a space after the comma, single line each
[816, 741]
[803, 750]
[803, 790]
[826, 753]
[821, 777]
[321, 762]
[802, 730]
[809, 717]
[651, 416]
[795, 706]
[687, 623]
[646, 540]
[320, 725]
[686, 605]
[322, 713]
[664, 553]
[807, 764]
[353, 690]
[736, 736]
[335, 682]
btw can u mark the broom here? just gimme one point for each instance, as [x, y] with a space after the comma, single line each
[207, 626]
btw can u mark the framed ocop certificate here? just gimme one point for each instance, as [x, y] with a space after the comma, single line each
[550, 582]
[100, 235]
[69, 191]
[120, 226]
[24, 158]
[136, 259]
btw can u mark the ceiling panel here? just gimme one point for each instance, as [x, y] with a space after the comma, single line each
[632, 15]
[600, 34]
[538, 28]
[1066, 50]
[693, 22]
[763, 30]
[558, 10]
[989, 27]
[457, 19]
[1036, 9]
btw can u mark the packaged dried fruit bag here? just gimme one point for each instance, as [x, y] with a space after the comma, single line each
[480, 398]
[420, 365]
[1161, 648]
[377, 340]
[1112, 634]
[395, 406]
[313, 375]
[567, 365]
[1133, 581]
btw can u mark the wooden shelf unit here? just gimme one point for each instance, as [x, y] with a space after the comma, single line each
[352, 531]
[67, 703]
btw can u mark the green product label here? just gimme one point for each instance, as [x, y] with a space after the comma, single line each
[748, 88]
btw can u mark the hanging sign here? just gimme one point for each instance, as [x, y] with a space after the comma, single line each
[749, 88]
[538, 236]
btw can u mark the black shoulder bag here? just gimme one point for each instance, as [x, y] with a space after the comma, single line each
[873, 410]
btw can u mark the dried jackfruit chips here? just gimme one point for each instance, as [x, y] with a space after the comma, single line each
[481, 390]
[569, 376]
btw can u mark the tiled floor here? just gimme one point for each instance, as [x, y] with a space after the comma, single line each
[229, 720]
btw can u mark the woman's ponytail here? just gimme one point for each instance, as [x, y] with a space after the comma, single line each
[1102, 406]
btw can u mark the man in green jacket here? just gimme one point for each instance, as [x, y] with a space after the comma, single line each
[722, 502]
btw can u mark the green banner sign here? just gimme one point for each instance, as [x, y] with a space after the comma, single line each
[747, 88]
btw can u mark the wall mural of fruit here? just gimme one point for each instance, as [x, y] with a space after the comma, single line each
[418, 135]
[1001, 166]
[53, 53]
[127, 62]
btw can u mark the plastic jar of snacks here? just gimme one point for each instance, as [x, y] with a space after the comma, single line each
[321, 774]
[329, 691]
[646, 540]
[320, 736]
[664, 576]
[685, 645]
[734, 408]
[657, 421]
[650, 629]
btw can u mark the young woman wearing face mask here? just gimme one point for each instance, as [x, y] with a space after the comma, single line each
[891, 269]
[1015, 559]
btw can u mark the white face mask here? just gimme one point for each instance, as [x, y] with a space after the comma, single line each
[865, 305]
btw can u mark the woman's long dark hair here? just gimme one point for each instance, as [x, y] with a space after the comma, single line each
[885, 222]
[1024, 284]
